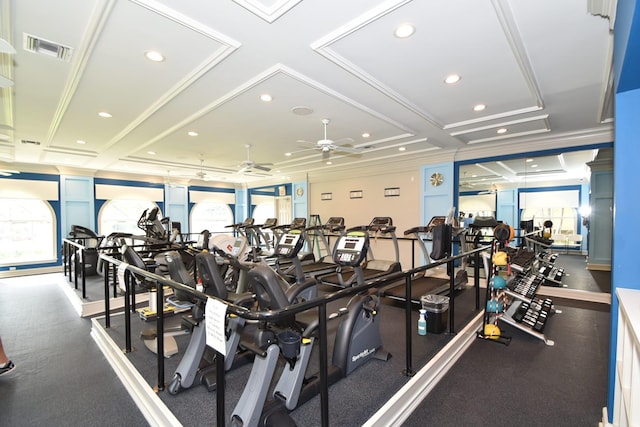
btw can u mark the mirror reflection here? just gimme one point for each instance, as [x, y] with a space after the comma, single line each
[548, 192]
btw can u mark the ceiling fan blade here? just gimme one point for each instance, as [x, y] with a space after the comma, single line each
[348, 149]
[261, 167]
[5, 47]
[5, 82]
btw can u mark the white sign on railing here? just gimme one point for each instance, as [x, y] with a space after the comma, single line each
[215, 313]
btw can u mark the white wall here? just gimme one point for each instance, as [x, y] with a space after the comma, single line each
[403, 209]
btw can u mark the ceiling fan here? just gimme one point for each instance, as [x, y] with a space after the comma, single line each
[249, 165]
[8, 172]
[326, 145]
[5, 47]
[201, 174]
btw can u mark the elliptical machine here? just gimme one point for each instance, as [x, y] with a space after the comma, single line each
[197, 366]
[357, 341]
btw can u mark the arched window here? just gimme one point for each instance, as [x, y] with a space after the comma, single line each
[27, 231]
[122, 215]
[211, 215]
[263, 211]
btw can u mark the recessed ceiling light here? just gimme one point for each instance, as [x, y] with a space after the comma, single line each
[366, 135]
[451, 79]
[402, 149]
[81, 142]
[104, 114]
[479, 107]
[329, 162]
[192, 133]
[403, 31]
[151, 152]
[502, 130]
[287, 154]
[266, 97]
[529, 160]
[302, 110]
[534, 166]
[154, 55]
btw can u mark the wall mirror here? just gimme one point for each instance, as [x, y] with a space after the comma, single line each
[550, 185]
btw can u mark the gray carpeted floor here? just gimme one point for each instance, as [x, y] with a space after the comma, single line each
[366, 389]
[62, 378]
[528, 383]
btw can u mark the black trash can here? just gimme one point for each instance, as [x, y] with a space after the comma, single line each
[437, 307]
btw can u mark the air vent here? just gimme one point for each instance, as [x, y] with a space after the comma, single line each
[46, 47]
[29, 142]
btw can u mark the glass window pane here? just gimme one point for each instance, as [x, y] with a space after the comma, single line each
[27, 231]
[122, 216]
[211, 215]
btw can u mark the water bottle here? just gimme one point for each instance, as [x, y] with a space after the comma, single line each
[422, 322]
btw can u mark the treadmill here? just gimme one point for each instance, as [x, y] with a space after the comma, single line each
[421, 284]
[372, 268]
[324, 264]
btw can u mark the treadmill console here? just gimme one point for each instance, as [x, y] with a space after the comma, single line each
[289, 244]
[351, 249]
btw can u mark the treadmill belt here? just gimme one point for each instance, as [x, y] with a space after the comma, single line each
[332, 279]
[317, 267]
[419, 287]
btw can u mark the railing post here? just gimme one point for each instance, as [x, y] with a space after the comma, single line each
[127, 314]
[160, 334]
[84, 280]
[107, 316]
[324, 383]
[220, 390]
[408, 371]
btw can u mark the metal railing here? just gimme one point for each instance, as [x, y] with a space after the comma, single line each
[125, 272]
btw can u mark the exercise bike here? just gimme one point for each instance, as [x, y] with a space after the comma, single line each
[197, 365]
[357, 341]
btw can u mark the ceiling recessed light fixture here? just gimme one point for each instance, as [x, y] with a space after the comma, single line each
[534, 166]
[302, 110]
[329, 162]
[151, 152]
[81, 142]
[402, 149]
[192, 133]
[366, 135]
[479, 107]
[403, 31]
[452, 78]
[104, 114]
[529, 160]
[287, 154]
[266, 97]
[154, 55]
[502, 130]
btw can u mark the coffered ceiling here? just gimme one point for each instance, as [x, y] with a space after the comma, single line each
[541, 69]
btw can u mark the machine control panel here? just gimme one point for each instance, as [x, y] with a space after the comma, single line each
[289, 244]
[351, 249]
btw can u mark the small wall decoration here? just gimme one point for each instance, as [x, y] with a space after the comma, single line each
[355, 194]
[392, 192]
[326, 196]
